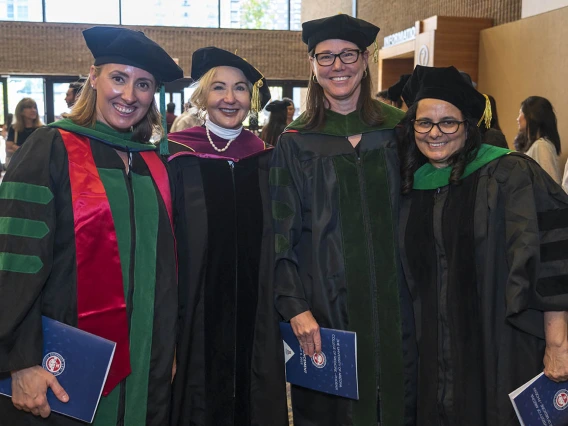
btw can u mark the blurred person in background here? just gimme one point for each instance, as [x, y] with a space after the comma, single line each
[537, 121]
[291, 110]
[170, 116]
[26, 121]
[188, 119]
[72, 94]
[276, 122]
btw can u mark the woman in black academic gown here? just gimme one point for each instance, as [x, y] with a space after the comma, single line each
[483, 237]
[335, 188]
[87, 239]
[229, 353]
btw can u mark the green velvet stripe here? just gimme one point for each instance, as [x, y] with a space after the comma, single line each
[146, 215]
[19, 227]
[25, 192]
[359, 293]
[388, 301]
[114, 182]
[279, 176]
[281, 243]
[21, 263]
[107, 411]
[281, 211]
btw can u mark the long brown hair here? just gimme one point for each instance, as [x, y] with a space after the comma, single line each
[541, 121]
[84, 113]
[369, 110]
[20, 124]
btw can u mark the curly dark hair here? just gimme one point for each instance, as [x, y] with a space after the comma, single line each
[411, 159]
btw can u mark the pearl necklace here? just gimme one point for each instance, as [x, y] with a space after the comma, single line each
[213, 145]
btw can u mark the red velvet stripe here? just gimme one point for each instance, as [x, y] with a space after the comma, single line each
[101, 306]
[160, 177]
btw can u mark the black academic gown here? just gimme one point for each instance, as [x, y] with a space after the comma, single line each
[229, 352]
[335, 218]
[483, 261]
[37, 189]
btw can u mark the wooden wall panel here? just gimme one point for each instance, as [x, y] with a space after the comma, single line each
[396, 15]
[525, 58]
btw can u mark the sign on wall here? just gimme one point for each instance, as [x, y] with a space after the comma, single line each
[400, 37]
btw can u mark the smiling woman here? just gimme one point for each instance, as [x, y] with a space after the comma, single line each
[231, 366]
[481, 232]
[334, 184]
[99, 189]
[124, 94]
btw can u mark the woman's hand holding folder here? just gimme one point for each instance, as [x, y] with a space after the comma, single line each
[307, 330]
[29, 390]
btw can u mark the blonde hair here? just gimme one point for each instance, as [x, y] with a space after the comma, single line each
[84, 113]
[19, 123]
[203, 87]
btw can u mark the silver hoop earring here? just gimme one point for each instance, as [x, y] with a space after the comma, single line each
[365, 74]
[315, 80]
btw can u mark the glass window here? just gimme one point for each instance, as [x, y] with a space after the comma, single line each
[187, 92]
[298, 96]
[24, 87]
[189, 13]
[296, 15]
[59, 104]
[105, 12]
[21, 10]
[255, 14]
[2, 118]
[176, 99]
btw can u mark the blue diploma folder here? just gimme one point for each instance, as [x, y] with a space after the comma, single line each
[333, 371]
[80, 361]
[541, 401]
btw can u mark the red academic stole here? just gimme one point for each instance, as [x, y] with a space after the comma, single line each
[101, 306]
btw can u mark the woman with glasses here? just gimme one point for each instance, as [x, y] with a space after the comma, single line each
[335, 184]
[483, 237]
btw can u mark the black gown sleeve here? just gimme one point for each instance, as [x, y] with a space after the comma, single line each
[536, 224]
[27, 222]
[286, 182]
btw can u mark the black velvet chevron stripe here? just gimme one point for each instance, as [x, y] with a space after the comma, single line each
[554, 219]
[557, 250]
[552, 286]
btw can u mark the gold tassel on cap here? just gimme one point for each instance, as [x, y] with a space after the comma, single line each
[376, 52]
[255, 103]
[487, 114]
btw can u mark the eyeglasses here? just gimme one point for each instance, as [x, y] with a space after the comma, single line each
[328, 59]
[447, 127]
